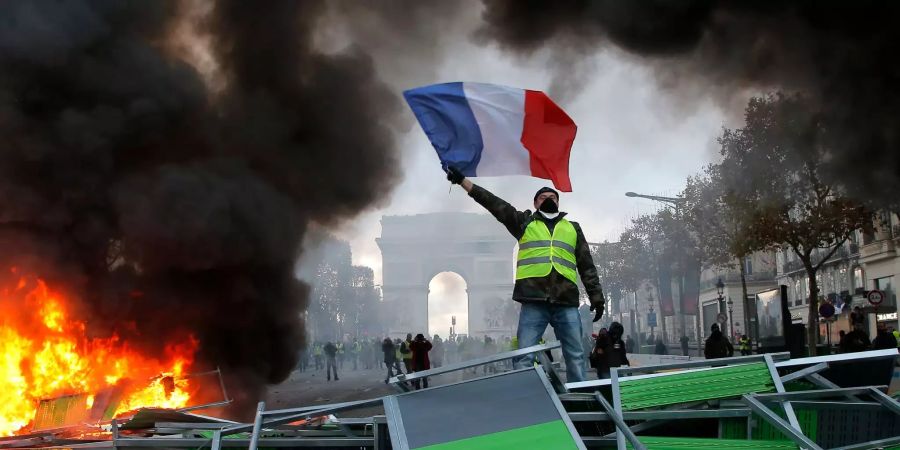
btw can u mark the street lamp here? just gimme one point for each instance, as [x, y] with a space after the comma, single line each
[720, 288]
[653, 322]
[675, 201]
[730, 317]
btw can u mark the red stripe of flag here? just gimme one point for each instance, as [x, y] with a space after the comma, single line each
[548, 134]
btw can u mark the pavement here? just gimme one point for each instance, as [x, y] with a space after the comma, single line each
[311, 388]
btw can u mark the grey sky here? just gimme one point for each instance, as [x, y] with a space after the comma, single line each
[633, 135]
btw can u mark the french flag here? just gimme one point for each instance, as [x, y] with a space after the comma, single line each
[489, 130]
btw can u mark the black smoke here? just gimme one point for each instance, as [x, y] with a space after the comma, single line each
[843, 54]
[171, 200]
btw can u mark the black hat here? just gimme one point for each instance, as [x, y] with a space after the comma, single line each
[546, 189]
[715, 327]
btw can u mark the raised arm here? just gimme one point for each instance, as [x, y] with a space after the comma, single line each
[514, 220]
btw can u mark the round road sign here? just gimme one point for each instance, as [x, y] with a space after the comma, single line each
[721, 318]
[875, 297]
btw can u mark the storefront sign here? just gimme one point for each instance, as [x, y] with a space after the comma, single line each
[884, 317]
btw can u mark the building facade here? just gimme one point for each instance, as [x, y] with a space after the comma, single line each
[865, 262]
[475, 246]
[759, 275]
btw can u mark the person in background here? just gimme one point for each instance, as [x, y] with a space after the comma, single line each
[841, 336]
[490, 348]
[609, 350]
[365, 354]
[629, 344]
[304, 358]
[856, 340]
[340, 354]
[744, 345]
[317, 355]
[896, 335]
[716, 345]
[883, 339]
[390, 358]
[684, 345]
[355, 350]
[330, 363]
[420, 361]
[660, 348]
[437, 352]
[406, 353]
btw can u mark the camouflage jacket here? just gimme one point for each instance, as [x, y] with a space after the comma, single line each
[553, 288]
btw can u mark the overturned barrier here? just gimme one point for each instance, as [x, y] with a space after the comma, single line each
[751, 402]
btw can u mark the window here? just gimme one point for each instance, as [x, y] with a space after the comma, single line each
[841, 280]
[886, 284]
[859, 279]
[748, 265]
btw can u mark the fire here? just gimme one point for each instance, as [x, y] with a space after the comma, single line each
[45, 353]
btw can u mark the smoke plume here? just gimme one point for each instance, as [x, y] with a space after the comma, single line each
[841, 53]
[171, 204]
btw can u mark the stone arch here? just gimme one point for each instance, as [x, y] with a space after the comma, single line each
[416, 248]
[442, 328]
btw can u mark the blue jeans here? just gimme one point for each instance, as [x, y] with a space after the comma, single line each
[566, 323]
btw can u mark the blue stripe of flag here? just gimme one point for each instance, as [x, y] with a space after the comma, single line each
[447, 119]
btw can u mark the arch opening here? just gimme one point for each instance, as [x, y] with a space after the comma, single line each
[448, 298]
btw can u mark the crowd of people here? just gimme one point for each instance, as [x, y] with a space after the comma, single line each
[400, 356]
[605, 350]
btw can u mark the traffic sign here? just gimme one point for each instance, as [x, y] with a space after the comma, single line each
[826, 310]
[651, 319]
[722, 318]
[875, 297]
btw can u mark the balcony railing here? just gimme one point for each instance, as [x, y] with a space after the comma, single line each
[792, 266]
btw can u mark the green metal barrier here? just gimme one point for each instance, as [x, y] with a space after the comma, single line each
[692, 386]
[670, 443]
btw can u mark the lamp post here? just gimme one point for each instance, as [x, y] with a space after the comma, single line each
[720, 289]
[649, 322]
[730, 317]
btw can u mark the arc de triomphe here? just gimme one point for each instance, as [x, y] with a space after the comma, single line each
[475, 246]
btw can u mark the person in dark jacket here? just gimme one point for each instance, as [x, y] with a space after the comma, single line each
[330, 362]
[856, 340]
[661, 348]
[883, 339]
[609, 350]
[717, 346]
[684, 345]
[629, 344]
[390, 358]
[553, 252]
[420, 361]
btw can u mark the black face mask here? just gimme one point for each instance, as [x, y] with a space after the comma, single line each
[549, 206]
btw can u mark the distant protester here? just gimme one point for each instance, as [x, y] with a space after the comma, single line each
[717, 346]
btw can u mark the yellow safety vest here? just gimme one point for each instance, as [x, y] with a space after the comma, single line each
[540, 252]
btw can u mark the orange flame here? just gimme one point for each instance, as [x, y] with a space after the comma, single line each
[44, 353]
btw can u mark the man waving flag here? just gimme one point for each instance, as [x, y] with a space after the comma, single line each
[488, 130]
